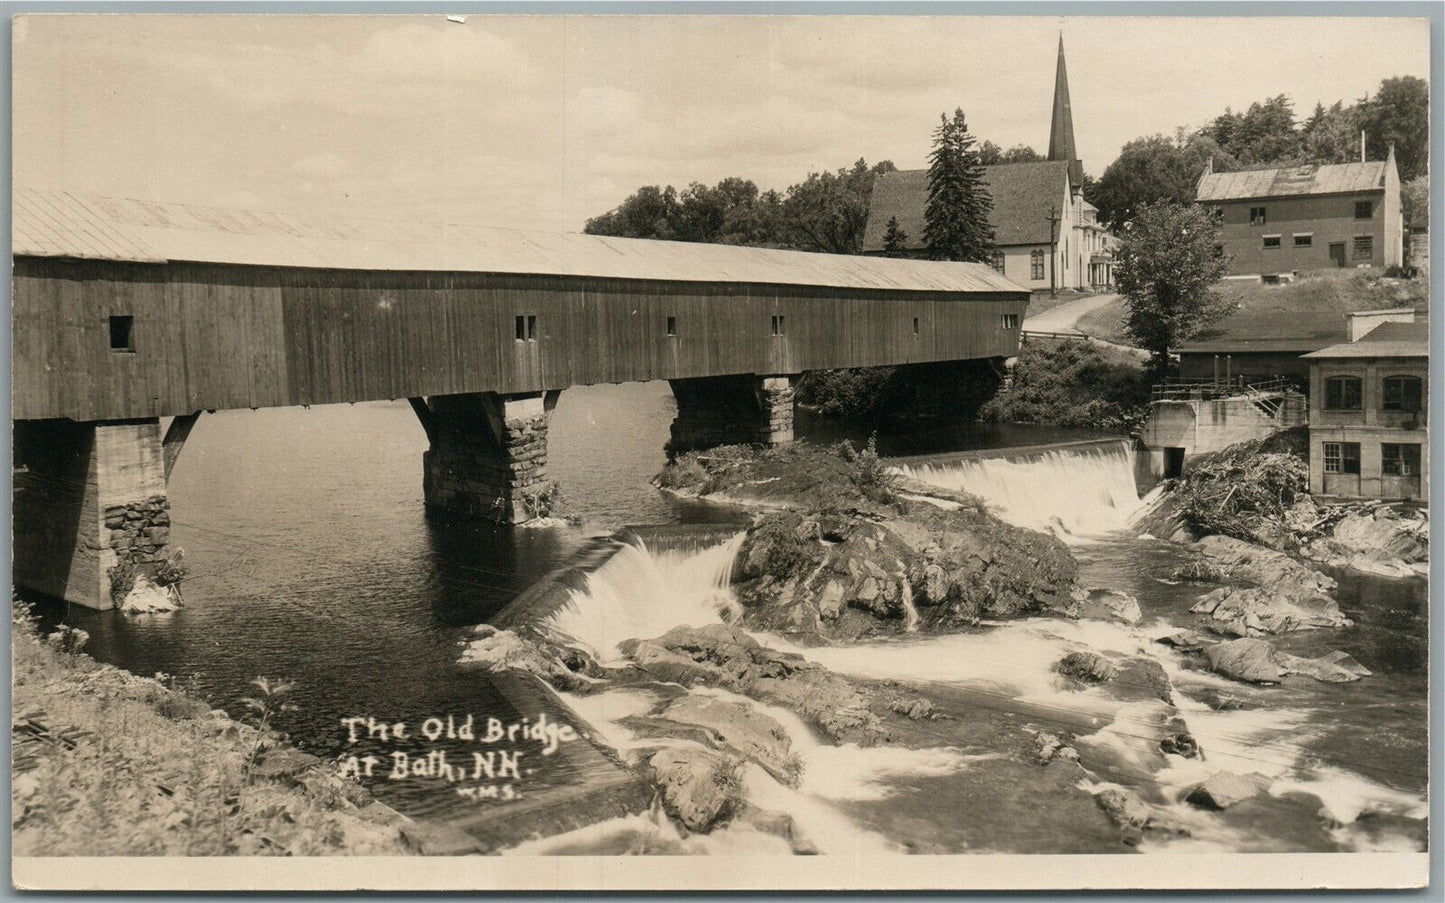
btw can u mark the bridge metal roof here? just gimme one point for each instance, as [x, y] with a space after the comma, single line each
[53, 223]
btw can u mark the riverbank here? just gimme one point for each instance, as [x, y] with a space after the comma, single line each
[107, 763]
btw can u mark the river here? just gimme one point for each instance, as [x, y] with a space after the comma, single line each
[313, 559]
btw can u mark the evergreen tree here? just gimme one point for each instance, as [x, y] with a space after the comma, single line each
[956, 220]
[895, 240]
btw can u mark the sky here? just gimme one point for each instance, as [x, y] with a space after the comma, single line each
[540, 122]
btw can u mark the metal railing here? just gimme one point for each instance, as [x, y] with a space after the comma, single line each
[1175, 389]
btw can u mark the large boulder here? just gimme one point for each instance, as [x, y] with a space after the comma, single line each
[1255, 661]
[148, 597]
[1087, 667]
[1260, 611]
[1225, 789]
[740, 728]
[1110, 605]
[1248, 660]
[846, 576]
[1376, 540]
[1234, 559]
[699, 787]
[727, 657]
[495, 650]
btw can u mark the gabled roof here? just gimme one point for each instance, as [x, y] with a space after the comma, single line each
[1269, 332]
[62, 224]
[1385, 340]
[1335, 178]
[1024, 195]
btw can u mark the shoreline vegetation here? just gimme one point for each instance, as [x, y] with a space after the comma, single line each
[108, 763]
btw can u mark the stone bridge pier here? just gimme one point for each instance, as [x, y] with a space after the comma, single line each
[88, 496]
[488, 454]
[731, 410]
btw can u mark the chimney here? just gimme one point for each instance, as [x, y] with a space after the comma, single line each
[1362, 145]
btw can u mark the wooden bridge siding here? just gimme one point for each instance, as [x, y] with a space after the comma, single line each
[215, 336]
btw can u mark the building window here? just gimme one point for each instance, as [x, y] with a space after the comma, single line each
[1364, 209]
[1343, 393]
[672, 325]
[1036, 264]
[1402, 393]
[1398, 460]
[122, 333]
[1342, 457]
[915, 326]
[780, 324]
[526, 328]
[995, 260]
[1256, 216]
[1271, 241]
[1304, 241]
[1009, 321]
[1364, 247]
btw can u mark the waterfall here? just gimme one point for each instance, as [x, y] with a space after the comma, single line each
[643, 592]
[1068, 490]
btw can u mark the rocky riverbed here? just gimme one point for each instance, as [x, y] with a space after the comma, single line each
[899, 641]
[110, 763]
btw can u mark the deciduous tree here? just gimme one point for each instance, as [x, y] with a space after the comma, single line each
[1167, 268]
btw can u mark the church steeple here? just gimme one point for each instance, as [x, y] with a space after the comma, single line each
[1061, 129]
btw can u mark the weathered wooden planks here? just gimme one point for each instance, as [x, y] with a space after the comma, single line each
[210, 336]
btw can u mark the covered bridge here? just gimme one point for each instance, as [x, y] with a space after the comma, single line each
[126, 311]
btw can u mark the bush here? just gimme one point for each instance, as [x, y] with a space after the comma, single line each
[844, 393]
[872, 478]
[1072, 384]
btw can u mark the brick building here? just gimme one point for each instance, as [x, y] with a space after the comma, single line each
[1277, 222]
[1368, 414]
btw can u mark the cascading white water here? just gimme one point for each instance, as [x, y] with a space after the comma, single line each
[1078, 491]
[642, 593]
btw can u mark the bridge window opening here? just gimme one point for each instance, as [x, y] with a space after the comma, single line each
[526, 327]
[1009, 321]
[915, 326]
[1342, 457]
[780, 324]
[122, 334]
[672, 326]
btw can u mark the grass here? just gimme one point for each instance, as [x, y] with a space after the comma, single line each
[1338, 291]
[126, 765]
[1040, 302]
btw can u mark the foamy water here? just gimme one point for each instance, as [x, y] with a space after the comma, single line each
[1067, 491]
[641, 593]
